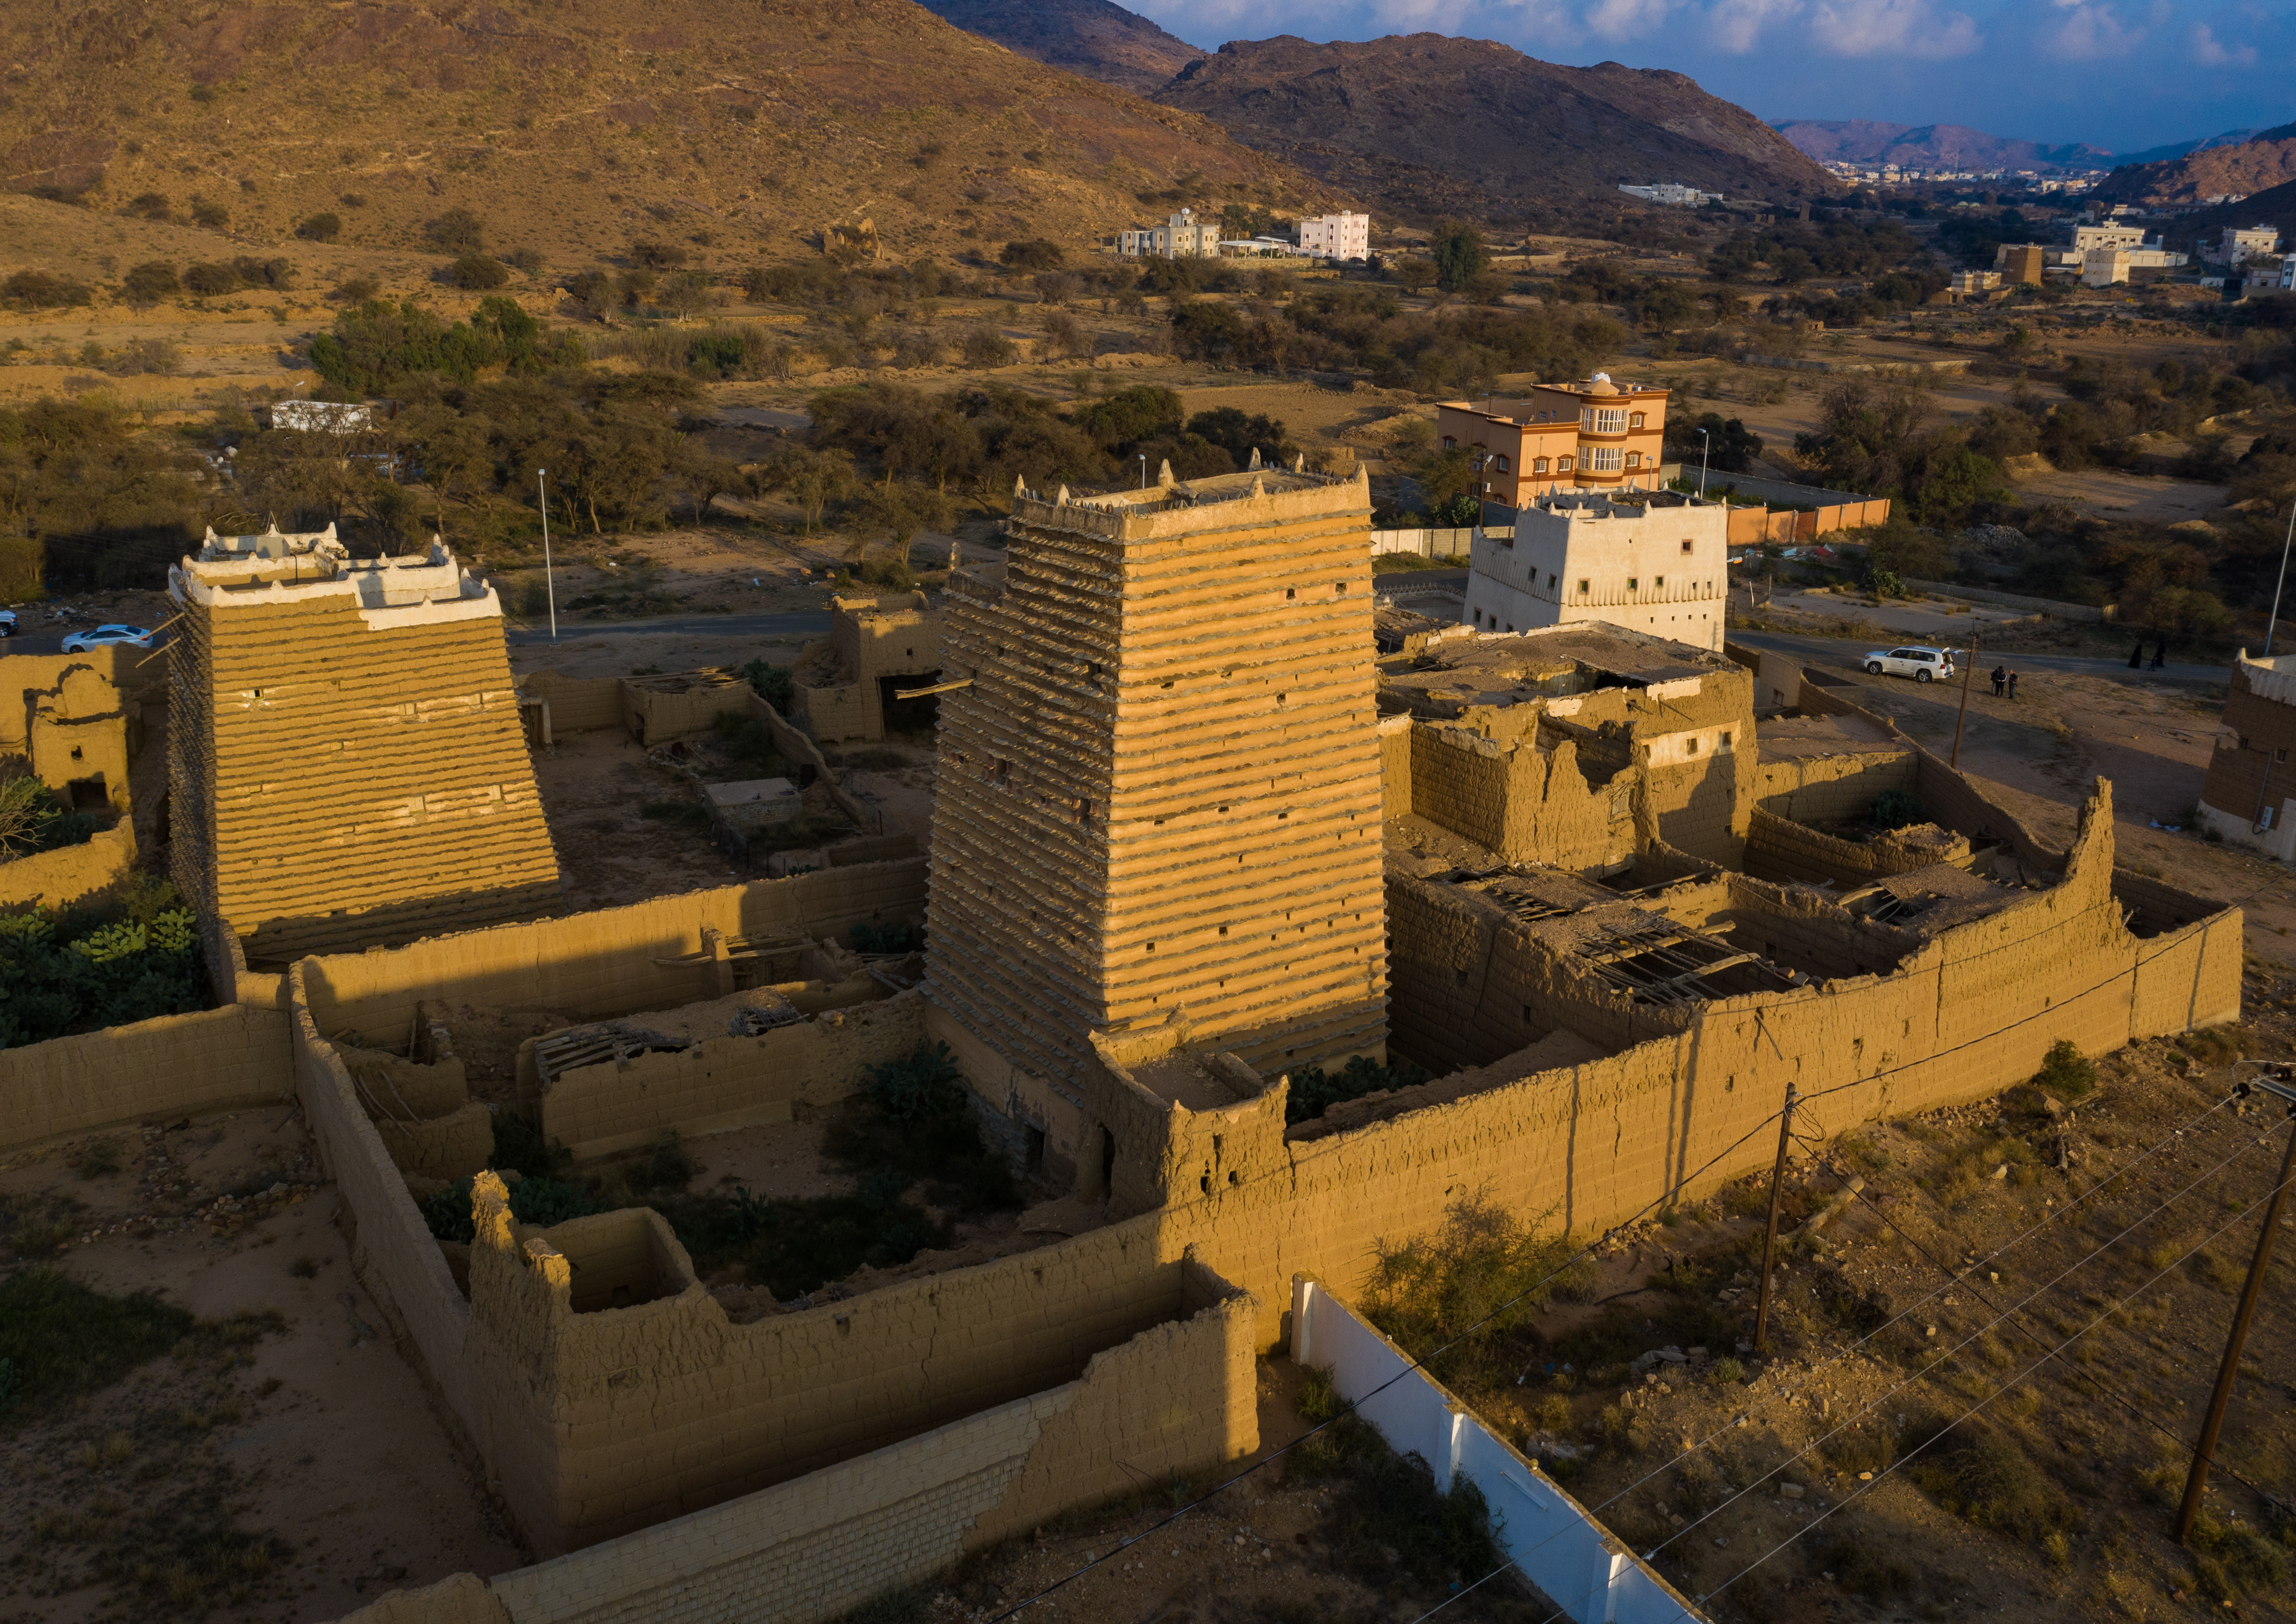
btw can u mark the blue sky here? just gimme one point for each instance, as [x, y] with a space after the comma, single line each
[2118, 74]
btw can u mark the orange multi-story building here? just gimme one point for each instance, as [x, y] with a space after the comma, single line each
[1592, 435]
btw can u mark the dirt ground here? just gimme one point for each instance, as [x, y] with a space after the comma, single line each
[313, 1436]
[596, 786]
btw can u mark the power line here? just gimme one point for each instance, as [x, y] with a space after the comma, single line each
[2052, 1353]
[1868, 1409]
[1356, 1404]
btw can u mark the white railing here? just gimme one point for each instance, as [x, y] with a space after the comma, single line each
[1550, 1537]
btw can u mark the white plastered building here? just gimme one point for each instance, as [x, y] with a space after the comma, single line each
[1660, 570]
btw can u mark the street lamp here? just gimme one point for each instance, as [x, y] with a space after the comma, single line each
[1143, 471]
[2270, 624]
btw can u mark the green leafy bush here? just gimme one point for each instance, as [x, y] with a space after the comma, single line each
[84, 969]
[1985, 1480]
[888, 939]
[542, 1201]
[925, 1086]
[33, 820]
[1896, 809]
[1315, 1091]
[2065, 1072]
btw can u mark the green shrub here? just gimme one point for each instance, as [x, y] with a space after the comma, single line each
[541, 1202]
[1484, 1267]
[1315, 1091]
[775, 684]
[1894, 808]
[33, 820]
[83, 969]
[2065, 1072]
[923, 1087]
[888, 939]
[1319, 1400]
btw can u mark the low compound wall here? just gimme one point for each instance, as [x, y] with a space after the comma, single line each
[650, 955]
[167, 1067]
[1553, 1541]
[396, 1258]
[729, 1082]
[52, 879]
[1173, 1399]
[577, 704]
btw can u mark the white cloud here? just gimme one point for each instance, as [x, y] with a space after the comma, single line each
[1626, 19]
[1735, 25]
[2090, 32]
[2210, 52]
[1901, 28]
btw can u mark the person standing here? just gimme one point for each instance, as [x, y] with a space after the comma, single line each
[2137, 656]
[2001, 675]
[2161, 654]
[2013, 687]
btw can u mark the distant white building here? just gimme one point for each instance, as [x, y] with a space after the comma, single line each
[2101, 268]
[1336, 236]
[2246, 242]
[1674, 194]
[1182, 236]
[1663, 570]
[2111, 233]
[331, 416]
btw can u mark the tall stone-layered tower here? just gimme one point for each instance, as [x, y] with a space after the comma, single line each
[346, 766]
[1159, 796]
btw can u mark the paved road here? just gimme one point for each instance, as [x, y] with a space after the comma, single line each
[50, 641]
[1844, 652]
[764, 628]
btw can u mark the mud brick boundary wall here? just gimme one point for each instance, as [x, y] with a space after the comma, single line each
[614, 961]
[167, 1067]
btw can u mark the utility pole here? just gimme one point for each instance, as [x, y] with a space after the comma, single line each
[549, 579]
[1770, 1236]
[1965, 672]
[2207, 1448]
[1705, 451]
[2272, 624]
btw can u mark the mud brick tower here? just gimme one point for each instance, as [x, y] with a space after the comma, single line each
[1159, 786]
[346, 767]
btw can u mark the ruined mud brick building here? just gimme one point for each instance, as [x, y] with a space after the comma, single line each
[848, 685]
[1158, 796]
[346, 761]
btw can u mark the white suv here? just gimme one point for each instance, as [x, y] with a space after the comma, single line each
[1922, 665]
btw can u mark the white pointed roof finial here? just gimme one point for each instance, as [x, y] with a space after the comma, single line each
[1062, 499]
[1299, 462]
[1164, 473]
[1020, 487]
[1255, 458]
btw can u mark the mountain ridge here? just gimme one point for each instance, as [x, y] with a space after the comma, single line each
[2262, 163]
[1524, 134]
[743, 129]
[1929, 146]
[1094, 38]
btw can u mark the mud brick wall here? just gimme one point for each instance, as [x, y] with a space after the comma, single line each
[607, 963]
[847, 711]
[1828, 789]
[1162, 788]
[1779, 849]
[1525, 803]
[336, 785]
[728, 1081]
[167, 1067]
[396, 1258]
[610, 1422]
[577, 704]
[1395, 765]
[2242, 776]
[54, 879]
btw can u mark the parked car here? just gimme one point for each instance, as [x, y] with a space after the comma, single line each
[7, 622]
[81, 643]
[1922, 665]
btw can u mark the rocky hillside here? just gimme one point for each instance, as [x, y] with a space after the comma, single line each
[742, 128]
[1932, 146]
[1424, 125]
[1094, 38]
[2266, 160]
